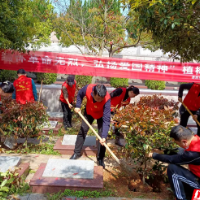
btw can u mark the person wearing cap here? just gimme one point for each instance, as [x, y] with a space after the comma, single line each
[67, 97]
[25, 90]
[121, 97]
[97, 107]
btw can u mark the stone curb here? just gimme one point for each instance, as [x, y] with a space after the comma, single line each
[35, 196]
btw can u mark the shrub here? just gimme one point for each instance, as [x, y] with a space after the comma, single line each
[48, 78]
[149, 126]
[83, 80]
[118, 82]
[10, 182]
[157, 101]
[7, 75]
[22, 120]
[155, 85]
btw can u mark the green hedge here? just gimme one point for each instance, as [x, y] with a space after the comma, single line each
[48, 78]
[8, 75]
[119, 82]
[155, 85]
[83, 80]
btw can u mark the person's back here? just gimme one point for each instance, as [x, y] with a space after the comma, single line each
[25, 90]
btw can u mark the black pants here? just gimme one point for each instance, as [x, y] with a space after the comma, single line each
[182, 181]
[67, 115]
[82, 135]
[115, 130]
[185, 116]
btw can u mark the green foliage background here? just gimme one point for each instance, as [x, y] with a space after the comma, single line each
[48, 78]
[118, 82]
[155, 85]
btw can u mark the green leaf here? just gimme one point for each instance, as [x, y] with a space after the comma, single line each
[4, 189]
[4, 182]
[173, 25]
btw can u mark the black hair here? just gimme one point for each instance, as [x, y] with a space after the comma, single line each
[134, 89]
[179, 132]
[100, 90]
[21, 71]
[7, 87]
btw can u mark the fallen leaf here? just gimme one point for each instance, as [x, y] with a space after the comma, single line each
[75, 173]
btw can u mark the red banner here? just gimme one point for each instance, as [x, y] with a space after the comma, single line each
[99, 66]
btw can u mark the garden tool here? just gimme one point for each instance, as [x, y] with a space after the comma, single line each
[123, 165]
[191, 114]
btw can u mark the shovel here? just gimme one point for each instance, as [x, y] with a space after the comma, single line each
[122, 164]
[97, 135]
[191, 114]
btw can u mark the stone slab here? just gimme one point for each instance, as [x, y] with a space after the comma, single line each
[55, 114]
[64, 168]
[35, 140]
[71, 139]
[194, 130]
[69, 149]
[45, 185]
[50, 125]
[8, 162]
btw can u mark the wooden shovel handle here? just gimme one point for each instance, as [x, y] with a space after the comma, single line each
[97, 135]
[191, 114]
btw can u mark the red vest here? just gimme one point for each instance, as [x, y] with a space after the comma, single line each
[192, 100]
[71, 92]
[195, 146]
[95, 109]
[23, 89]
[116, 102]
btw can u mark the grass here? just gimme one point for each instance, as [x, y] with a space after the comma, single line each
[43, 148]
[79, 194]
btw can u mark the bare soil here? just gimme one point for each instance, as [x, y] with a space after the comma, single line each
[132, 186]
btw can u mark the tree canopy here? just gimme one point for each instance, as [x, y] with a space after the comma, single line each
[24, 22]
[174, 25]
[97, 25]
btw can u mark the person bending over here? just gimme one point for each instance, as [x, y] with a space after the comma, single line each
[97, 107]
[183, 181]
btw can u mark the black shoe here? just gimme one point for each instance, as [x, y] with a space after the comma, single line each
[69, 125]
[75, 156]
[101, 163]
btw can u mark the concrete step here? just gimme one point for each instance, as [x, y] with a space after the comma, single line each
[68, 148]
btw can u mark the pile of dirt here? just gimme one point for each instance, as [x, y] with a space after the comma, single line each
[132, 186]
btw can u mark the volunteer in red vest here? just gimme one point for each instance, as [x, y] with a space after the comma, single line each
[192, 101]
[183, 181]
[67, 97]
[25, 90]
[121, 97]
[97, 107]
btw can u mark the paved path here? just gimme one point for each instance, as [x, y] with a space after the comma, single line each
[42, 197]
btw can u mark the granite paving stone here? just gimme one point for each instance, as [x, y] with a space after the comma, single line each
[8, 162]
[64, 168]
[71, 139]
